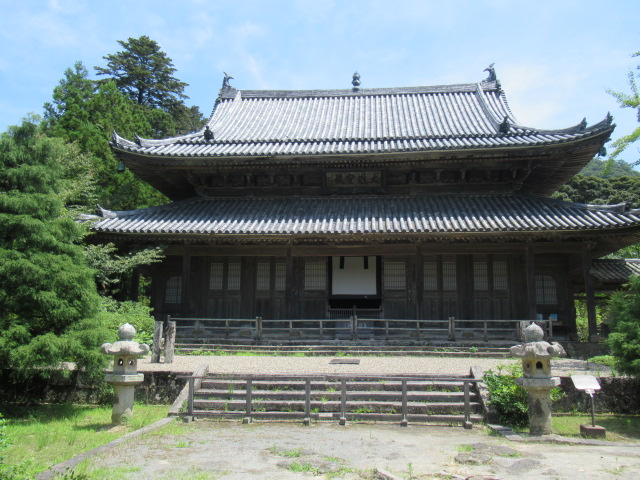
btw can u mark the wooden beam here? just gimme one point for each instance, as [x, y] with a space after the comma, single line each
[531, 283]
[186, 274]
[289, 296]
[589, 293]
[419, 267]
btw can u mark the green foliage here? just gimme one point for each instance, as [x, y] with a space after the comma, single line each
[144, 73]
[111, 267]
[7, 471]
[45, 435]
[47, 291]
[601, 191]
[509, 399]
[608, 360]
[87, 114]
[628, 100]
[624, 322]
[114, 314]
[582, 319]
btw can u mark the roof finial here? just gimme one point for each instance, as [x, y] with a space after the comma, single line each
[583, 125]
[356, 81]
[492, 73]
[208, 134]
[225, 81]
[505, 125]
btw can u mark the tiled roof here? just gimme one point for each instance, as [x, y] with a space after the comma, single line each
[367, 121]
[615, 270]
[429, 214]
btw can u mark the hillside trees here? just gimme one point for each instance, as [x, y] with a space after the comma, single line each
[47, 291]
[628, 100]
[138, 96]
[88, 114]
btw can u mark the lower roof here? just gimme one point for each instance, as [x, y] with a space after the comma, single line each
[366, 215]
[616, 270]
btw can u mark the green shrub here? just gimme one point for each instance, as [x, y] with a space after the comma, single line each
[509, 399]
[114, 314]
[608, 360]
[624, 339]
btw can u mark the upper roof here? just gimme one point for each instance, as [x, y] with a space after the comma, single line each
[302, 123]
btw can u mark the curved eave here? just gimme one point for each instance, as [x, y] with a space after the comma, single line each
[301, 150]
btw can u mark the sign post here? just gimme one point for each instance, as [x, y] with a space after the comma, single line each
[589, 384]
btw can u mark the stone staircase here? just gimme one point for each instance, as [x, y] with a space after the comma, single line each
[419, 400]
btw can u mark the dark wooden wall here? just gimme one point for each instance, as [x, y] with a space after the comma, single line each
[435, 286]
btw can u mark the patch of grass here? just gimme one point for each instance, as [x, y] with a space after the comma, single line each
[363, 410]
[303, 467]
[339, 473]
[334, 459]
[615, 471]
[44, 435]
[464, 448]
[292, 453]
[620, 428]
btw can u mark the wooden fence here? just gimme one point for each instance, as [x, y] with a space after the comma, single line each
[352, 328]
[345, 387]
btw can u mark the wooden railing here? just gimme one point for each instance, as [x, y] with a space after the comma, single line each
[353, 328]
[344, 381]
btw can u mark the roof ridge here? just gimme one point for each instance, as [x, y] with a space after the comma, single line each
[230, 93]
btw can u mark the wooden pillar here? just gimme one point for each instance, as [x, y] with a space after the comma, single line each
[590, 296]
[531, 282]
[419, 267]
[186, 274]
[289, 296]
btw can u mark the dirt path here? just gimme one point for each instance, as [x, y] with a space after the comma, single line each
[230, 451]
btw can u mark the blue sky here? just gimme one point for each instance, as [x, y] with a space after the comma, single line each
[555, 59]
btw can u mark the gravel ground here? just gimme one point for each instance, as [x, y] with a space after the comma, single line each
[186, 364]
[279, 451]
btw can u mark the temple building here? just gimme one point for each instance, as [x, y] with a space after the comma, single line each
[412, 203]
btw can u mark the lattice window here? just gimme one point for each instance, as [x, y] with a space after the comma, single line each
[546, 293]
[449, 274]
[216, 276]
[173, 291]
[395, 276]
[281, 277]
[430, 274]
[500, 275]
[234, 274]
[480, 273]
[315, 274]
[217, 272]
[263, 276]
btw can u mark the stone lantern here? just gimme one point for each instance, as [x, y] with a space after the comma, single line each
[125, 374]
[536, 355]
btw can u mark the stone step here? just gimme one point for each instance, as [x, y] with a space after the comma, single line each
[259, 405]
[369, 385]
[365, 395]
[351, 417]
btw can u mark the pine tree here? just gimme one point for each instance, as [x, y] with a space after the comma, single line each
[144, 73]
